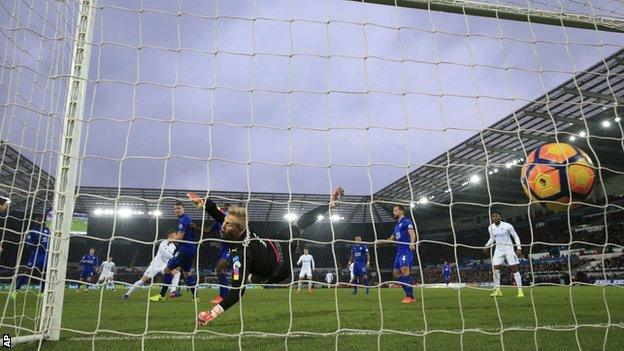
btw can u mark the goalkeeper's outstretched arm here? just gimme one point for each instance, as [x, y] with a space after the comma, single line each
[311, 216]
[209, 206]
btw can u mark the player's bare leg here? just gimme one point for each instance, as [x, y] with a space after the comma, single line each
[309, 284]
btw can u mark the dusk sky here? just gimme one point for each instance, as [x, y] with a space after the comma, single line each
[194, 102]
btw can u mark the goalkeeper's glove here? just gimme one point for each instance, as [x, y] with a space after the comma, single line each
[336, 195]
[205, 317]
[195, 199]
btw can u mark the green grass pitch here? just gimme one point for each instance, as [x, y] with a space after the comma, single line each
[80, 225]
[349, 322]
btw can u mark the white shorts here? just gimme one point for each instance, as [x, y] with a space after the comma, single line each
[153, 270]
[304, 273]
[500, 257]
[105, 276]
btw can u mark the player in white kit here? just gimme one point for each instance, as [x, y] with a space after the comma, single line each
[158, 264]
[501, 234]
[107, 273]
[351, 276]
[329, 279]
[307, 266]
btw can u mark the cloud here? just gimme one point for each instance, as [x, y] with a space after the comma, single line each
[227, 103]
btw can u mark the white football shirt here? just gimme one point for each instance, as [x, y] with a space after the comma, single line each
[107, 267]
[306, 261]
[502, 234]
[165, 252]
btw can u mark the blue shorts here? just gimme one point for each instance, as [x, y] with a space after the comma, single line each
[224, 253]
[359, 269]
[36, 261]
[183, 260]
[403, 258]
[86, 274]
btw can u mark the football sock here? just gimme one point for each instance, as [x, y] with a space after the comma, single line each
[518, 279]
[496, 278]
[166, 282]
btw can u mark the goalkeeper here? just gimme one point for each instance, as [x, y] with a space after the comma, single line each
[254, 260]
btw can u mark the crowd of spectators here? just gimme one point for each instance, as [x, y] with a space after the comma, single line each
[583, 235]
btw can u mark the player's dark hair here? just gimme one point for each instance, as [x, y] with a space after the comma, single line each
[400, 207]
[170, 232]
[227, 205]
[179, 203]
[3, 200]
[497, 212]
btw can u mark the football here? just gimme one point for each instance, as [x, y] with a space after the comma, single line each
[557, 174]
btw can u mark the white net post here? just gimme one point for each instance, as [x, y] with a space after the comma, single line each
[66, 175]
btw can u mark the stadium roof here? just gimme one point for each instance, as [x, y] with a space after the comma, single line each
[575, 110]
[25, 183]
[494, 155]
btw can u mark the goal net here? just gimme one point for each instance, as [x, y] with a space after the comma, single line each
[458, 111]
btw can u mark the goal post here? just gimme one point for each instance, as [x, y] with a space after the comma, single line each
[67, 174]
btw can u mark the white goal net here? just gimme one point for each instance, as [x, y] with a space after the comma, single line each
[112, 111]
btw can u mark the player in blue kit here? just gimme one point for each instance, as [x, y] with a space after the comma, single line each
[37, 243]
[88, 262]
[361, 261]
[405, 237]
[184, 256]
[446, 272]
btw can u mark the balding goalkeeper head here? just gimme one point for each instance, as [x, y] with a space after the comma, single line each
[234, 224]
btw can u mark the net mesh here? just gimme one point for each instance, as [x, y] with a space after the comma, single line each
[270, 106]
[36, 50]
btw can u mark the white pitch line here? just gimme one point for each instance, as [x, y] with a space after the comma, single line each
[340, 333]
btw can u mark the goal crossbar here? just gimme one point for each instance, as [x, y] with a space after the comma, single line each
[499, 11]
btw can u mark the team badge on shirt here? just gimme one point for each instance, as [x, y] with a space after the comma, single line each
[236, 268]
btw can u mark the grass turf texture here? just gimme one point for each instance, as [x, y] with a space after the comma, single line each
[358, 319]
